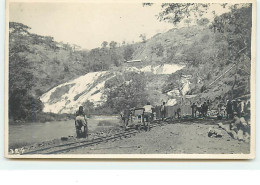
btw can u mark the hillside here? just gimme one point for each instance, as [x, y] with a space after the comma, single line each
[210, 61]
[94, 87]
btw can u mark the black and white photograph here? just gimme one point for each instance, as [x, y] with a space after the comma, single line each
[130, 79]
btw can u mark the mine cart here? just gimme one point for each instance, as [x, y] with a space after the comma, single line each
[139, 119]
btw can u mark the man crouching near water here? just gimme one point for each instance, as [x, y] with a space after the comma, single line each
[81, 121]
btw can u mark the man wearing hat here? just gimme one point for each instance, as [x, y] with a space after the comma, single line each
[241, 106]
[126, 115]
[229, 109]
[81, 122]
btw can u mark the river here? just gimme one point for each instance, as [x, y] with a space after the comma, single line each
[29, 133]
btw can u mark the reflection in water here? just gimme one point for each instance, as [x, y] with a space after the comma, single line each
[28, 133]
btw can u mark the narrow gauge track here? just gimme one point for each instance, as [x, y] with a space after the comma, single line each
[57, 149]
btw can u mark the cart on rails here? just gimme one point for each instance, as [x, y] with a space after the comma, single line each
[140, 119]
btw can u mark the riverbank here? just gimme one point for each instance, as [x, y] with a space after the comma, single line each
[191, 137]
[42, 117]
[26, 134]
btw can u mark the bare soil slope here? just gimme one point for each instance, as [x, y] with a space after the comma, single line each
[179, 138]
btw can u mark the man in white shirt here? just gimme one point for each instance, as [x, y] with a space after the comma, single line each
[148, 112]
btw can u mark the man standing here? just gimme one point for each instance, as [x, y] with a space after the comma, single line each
[163, 111]
[126, 115]
[240, 109]
[81, 121]
[204, 109]
[229, 110]
[148, 111]
[179, 112]
[209, 105]
[148, 114]
[199, 108]
[193, 110]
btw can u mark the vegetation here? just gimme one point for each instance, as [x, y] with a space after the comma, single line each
[228, 49]
[126, 89]
[38, 63]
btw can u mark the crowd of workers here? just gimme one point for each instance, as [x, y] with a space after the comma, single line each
[230, 110]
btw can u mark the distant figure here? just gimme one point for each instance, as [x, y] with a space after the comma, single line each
[236, 123]
[204, 108]
[247, 107]
[209, 105]
[240, 108]
[125, 115]
[229, 110]
[219, 108]
[163, 111]
[81, 121]
[179, 113]
[194, 110]
[199, 109]
[247, 111]
[148, 112]
[235, 106]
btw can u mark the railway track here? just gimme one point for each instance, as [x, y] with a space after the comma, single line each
[58, 149]
[61, 148]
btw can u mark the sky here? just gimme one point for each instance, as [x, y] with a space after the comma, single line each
[89, 24]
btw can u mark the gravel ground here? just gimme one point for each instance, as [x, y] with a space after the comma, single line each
[178, 138]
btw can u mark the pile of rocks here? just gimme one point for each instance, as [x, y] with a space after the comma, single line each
[214, 133]
[238, 129]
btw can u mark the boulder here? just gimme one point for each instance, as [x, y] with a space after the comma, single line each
[214, 133]
[220, 125]
[240, 135]
[243, 121]
[246, 137]
[233, 134]
[64, 138]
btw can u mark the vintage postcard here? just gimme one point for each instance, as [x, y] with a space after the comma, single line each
[130, 80]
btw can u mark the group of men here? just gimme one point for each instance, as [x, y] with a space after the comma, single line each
[202, 110]
[233, 108]
[148, 110]
[238, 107]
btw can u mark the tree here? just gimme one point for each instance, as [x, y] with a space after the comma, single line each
[236, 27]
[21, 78]
[112, 44]
[128, 52]
[143, 37]
[203, 22]
[126, 89]
[115, 58]
[176, 12]
[104, 44]
[158, 49]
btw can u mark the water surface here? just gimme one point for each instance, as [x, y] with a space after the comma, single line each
[29, 133]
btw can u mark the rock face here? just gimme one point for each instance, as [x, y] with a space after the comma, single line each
[66, 97]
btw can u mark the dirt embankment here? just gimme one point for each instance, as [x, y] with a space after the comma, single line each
[179, 138]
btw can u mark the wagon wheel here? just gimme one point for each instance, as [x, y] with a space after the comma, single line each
[138, 127]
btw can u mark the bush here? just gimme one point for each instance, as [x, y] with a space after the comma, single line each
[105, 123]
